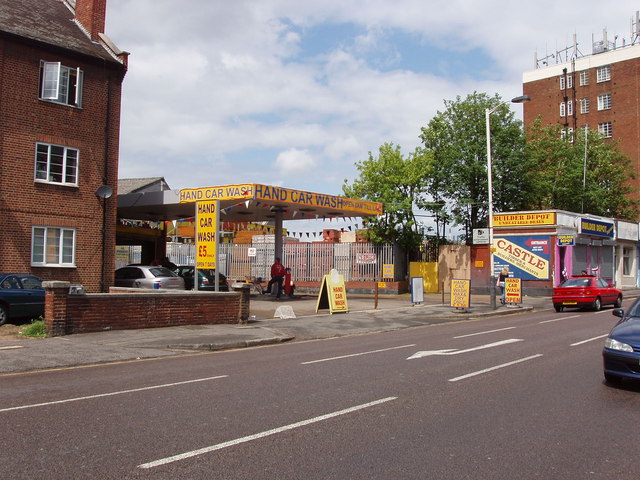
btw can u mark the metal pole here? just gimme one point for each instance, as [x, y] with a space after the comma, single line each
[492, 278]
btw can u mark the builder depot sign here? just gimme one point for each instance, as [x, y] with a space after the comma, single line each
[528, 257]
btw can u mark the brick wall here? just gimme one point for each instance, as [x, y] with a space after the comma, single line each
[129, 308]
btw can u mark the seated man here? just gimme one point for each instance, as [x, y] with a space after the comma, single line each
[277, 276]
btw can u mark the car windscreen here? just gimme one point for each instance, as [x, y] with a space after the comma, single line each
[576, 282]
[162, 272]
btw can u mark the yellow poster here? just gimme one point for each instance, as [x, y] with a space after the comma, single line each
[333, 294]
[460, 293]
[207, 232]
[512, 290]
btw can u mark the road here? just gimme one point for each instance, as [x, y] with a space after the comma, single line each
[516, 397]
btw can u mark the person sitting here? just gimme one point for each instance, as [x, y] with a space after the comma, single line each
[277, 276]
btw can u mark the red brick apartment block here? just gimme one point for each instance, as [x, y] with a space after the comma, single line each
[601, 91]
[60, 88]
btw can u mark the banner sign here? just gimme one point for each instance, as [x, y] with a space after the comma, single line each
[595, 227]
[271, 194]
[206, 236]
[366, 258]
[566, 240]
[528, 257]
[460, 293]
[524, 219]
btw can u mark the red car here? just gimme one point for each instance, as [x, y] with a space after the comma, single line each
[585, 291]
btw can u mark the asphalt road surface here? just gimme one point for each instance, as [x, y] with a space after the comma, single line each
[515, 397]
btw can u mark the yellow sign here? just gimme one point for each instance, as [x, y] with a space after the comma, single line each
[512, 290]
[388, 270]
[524, 219]
[382, 284]
[522, 258]
[333, 294]
[269, 194]
[207, 231]
[460, 293]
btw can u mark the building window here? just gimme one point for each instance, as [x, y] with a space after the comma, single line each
[603, 74]
[584, 105]
[570, 108]
[61, 84]
[563, 109]
[627, 261]
[584, 78]
[567, 135]
[56, 164]
[562, 82]
[53, 247]
[569, 81]
[604, 101]
[605, 129]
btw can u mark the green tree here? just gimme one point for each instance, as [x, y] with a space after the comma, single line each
[456, 137]
[568, 177]
[397, 182]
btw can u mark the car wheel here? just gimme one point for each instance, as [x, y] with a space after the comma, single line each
[4, 314]
[597, 304]
[618, 303]
[612, 379]
[558, 308]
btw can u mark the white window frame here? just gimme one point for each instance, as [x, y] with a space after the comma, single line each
[53, 246]
[584, 105]
[569, 81]
[584, 78]
[603, 74]
[604, 101]
[66, 166]
[569, 108]
[627, 261]
[605, 129]
[60, 84]
[563, 109]
[562, 82]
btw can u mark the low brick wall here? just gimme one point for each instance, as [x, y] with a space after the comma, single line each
[128, 308]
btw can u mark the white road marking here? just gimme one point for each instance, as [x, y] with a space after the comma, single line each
[11, 347]
[266, 433]
[560, 319]
[483, 333]
[457, 352]
[480, 372]
[589, 340]
[356, 354]
[110, 394]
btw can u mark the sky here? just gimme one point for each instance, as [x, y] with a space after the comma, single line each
[293, 93]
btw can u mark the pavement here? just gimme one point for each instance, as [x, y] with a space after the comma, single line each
[271, 321]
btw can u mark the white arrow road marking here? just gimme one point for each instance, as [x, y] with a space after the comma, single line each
[456, 352]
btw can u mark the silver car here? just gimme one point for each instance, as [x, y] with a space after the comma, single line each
[148, 276]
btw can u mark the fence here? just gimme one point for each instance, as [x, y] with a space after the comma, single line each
[308, 261]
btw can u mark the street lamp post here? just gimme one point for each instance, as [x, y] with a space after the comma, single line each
[487, 113]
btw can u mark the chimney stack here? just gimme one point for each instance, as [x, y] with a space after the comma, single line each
[91, 15]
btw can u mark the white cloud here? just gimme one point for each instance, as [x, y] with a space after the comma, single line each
[295, 161]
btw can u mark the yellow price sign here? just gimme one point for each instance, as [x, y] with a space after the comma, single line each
[207, 225]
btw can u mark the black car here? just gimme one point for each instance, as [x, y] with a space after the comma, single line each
[207, 278]
[621, 354]
[21, 296]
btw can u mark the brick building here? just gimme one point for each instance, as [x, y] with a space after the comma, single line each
[601, 91]
[60, 89]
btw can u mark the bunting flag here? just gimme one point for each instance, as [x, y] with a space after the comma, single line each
[247, 203]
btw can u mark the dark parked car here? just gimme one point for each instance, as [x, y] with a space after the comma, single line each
[621, 354]
[207, 278]
[585, 291]
[147, 276]
[21, 296]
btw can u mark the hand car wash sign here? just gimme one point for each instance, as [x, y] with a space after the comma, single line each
[527, 257]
